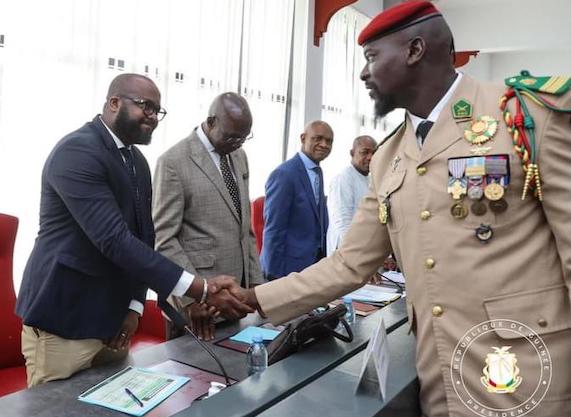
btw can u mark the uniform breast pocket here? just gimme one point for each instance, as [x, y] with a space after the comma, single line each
[390, 199]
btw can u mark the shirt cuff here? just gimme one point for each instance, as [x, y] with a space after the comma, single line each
[137, 307]
[183, 284]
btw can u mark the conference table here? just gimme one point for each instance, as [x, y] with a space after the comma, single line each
[321, 379]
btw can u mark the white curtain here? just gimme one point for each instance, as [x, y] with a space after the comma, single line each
[58, 58]
[347, 106]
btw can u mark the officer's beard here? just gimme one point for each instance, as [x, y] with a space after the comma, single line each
[383, 105]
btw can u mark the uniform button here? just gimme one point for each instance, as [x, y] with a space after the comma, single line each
[542, 322]
[437, 311]
[425, 215]
[429, 263]
[421, 170]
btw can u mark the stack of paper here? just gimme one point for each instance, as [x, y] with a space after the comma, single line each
[373, 294]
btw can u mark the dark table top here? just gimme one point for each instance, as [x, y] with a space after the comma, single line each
[249, 397]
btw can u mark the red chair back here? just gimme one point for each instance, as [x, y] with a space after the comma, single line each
[258, 221]
[11, 328]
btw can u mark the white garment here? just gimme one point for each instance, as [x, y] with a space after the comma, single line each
[345, 193]
[433, 116]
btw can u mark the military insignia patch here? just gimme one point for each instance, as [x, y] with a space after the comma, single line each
[384, 210]
[462, 109]
[501, 375]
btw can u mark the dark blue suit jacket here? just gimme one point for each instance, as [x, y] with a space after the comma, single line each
[91, 258]
[294, 226]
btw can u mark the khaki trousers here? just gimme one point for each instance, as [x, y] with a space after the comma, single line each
[50, 357]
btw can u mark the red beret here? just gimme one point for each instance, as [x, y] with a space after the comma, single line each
[397, 18]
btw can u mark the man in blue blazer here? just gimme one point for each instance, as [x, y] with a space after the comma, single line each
[295, 212]
[86, 279]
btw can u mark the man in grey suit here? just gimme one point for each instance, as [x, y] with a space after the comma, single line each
[201, 206]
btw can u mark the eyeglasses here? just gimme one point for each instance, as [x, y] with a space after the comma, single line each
[240, 140]
[148, 107]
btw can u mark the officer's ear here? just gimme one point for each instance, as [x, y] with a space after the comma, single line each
[416, 50]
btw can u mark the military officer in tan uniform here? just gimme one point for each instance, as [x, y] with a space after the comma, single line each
[488, 273]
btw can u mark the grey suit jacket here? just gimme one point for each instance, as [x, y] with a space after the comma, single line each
[196, 223]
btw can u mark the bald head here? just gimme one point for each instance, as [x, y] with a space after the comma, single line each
[437, 42]
[362, 152]
[364, 140]
[229, 122]
[129, 84]
[132, 107]
[317, 140]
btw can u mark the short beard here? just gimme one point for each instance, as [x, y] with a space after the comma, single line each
[129, 130]
[383, 106]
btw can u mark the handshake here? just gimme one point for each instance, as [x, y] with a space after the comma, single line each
[220, 296]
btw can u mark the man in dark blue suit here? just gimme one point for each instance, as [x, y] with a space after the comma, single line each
[295, 213]
[85, 282]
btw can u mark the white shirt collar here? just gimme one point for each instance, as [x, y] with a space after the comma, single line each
[433, 116]
[204, 139]
[116, 139]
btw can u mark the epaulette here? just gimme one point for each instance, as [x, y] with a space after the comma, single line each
[556, 85]
[390, 135]
[521, 126]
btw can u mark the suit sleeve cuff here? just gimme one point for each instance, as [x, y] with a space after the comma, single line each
[183, 284]
[137, 307]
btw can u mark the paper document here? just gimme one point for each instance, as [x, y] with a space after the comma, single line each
[147, 386]
[394, 276]
[373, 294]
[246, 335]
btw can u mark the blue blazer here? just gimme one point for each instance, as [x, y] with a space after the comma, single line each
[91, 256]
[294, 226]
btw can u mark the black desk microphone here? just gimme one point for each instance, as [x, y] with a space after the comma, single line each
[180, 323]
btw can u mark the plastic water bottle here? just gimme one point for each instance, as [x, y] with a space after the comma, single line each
[350, 314]
[257, 356]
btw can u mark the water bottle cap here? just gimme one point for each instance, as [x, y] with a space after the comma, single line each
[258, 338]
[347, 299]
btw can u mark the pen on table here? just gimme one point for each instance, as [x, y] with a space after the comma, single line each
[134, 397]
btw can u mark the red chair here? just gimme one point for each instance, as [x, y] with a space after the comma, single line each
[151, 330]
[12, 369]
[258, 221]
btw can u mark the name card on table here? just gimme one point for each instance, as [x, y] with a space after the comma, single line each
[376, 360]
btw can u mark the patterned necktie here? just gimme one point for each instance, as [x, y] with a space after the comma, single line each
[423, 129]
[130, 164]
[230, 184]
[317, 181]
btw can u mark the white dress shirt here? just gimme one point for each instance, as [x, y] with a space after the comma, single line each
[345, 193]
[433, 116]
[212, 152]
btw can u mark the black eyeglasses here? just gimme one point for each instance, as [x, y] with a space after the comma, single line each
[148, 107]
[240, 140]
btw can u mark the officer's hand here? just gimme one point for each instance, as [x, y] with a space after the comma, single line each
[202, 320]
[127, 330]
[227, 297]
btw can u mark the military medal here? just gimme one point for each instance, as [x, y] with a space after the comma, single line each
[498, 206]
[481, 131]
[478, 208]
[458, 211]
[475, 171]
[484, 233]
[457, 183]
[494, 191]
[497, 177]
[384, 211]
